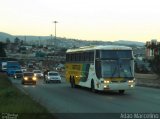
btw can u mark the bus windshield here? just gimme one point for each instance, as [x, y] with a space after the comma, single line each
[109, 68]
[126, 68]
[116, 68]
[114, 54]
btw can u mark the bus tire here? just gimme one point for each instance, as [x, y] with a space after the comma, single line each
[121, 91]
[72, 81]
[93, 87]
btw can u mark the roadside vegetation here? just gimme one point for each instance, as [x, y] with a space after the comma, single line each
[14, 103]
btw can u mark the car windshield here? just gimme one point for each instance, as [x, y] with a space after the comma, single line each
[37, 71]
[28, 74]
[53, 74]
[18, 71]
[116, 68]
[13, 67]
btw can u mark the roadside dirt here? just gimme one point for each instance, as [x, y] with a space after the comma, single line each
[148, 80]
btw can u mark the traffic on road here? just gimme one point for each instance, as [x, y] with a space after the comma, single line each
[61, 98]
[96, 80]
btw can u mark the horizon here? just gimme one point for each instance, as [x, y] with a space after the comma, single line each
[72, 38]
[95, 20]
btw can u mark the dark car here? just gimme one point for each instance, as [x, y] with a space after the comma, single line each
[28, 77]
[18, 74]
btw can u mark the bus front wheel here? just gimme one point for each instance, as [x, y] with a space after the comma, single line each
[121, 91]
[93, 87]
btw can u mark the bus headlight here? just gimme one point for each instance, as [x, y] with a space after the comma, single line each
[106, 86]
[34, 78]
[25, 78]
[106, 81]
[131, 86]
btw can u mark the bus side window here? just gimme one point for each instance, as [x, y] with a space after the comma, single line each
[72, 57]
[98, 69]
[91, 56]
[97, 54]
[82, 56]
[67, 57]
[78, 57]
[87, 56]
[75, 57]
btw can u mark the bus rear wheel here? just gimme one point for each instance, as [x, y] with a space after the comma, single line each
[72, 81]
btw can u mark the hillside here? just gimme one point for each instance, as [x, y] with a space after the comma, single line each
[4, 36]
[64, 42]
[130, 42]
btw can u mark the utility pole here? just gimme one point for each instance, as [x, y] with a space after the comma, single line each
[55, 28]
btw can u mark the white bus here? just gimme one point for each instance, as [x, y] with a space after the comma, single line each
[101, 68]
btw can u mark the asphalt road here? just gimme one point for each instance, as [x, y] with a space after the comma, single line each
[61, 99]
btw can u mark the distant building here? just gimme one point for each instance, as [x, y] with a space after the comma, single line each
[152, 49]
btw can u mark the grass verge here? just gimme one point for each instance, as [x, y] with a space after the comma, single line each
[15, 104]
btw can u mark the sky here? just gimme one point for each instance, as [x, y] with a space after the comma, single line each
[107, 20]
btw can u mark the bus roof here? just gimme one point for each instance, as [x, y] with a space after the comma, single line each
[100, 47]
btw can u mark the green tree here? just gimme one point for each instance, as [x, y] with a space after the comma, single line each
[17, 40]
[2, 51]
[21, 42]
[8, 41]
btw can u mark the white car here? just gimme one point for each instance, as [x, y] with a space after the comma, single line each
[52, 76]
[38, 73]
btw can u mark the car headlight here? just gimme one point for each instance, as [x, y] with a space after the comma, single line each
[130, 81]
[106, 81]
[34, 78]
[26, 78]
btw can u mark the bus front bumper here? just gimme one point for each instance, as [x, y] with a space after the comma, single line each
[117, 86]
